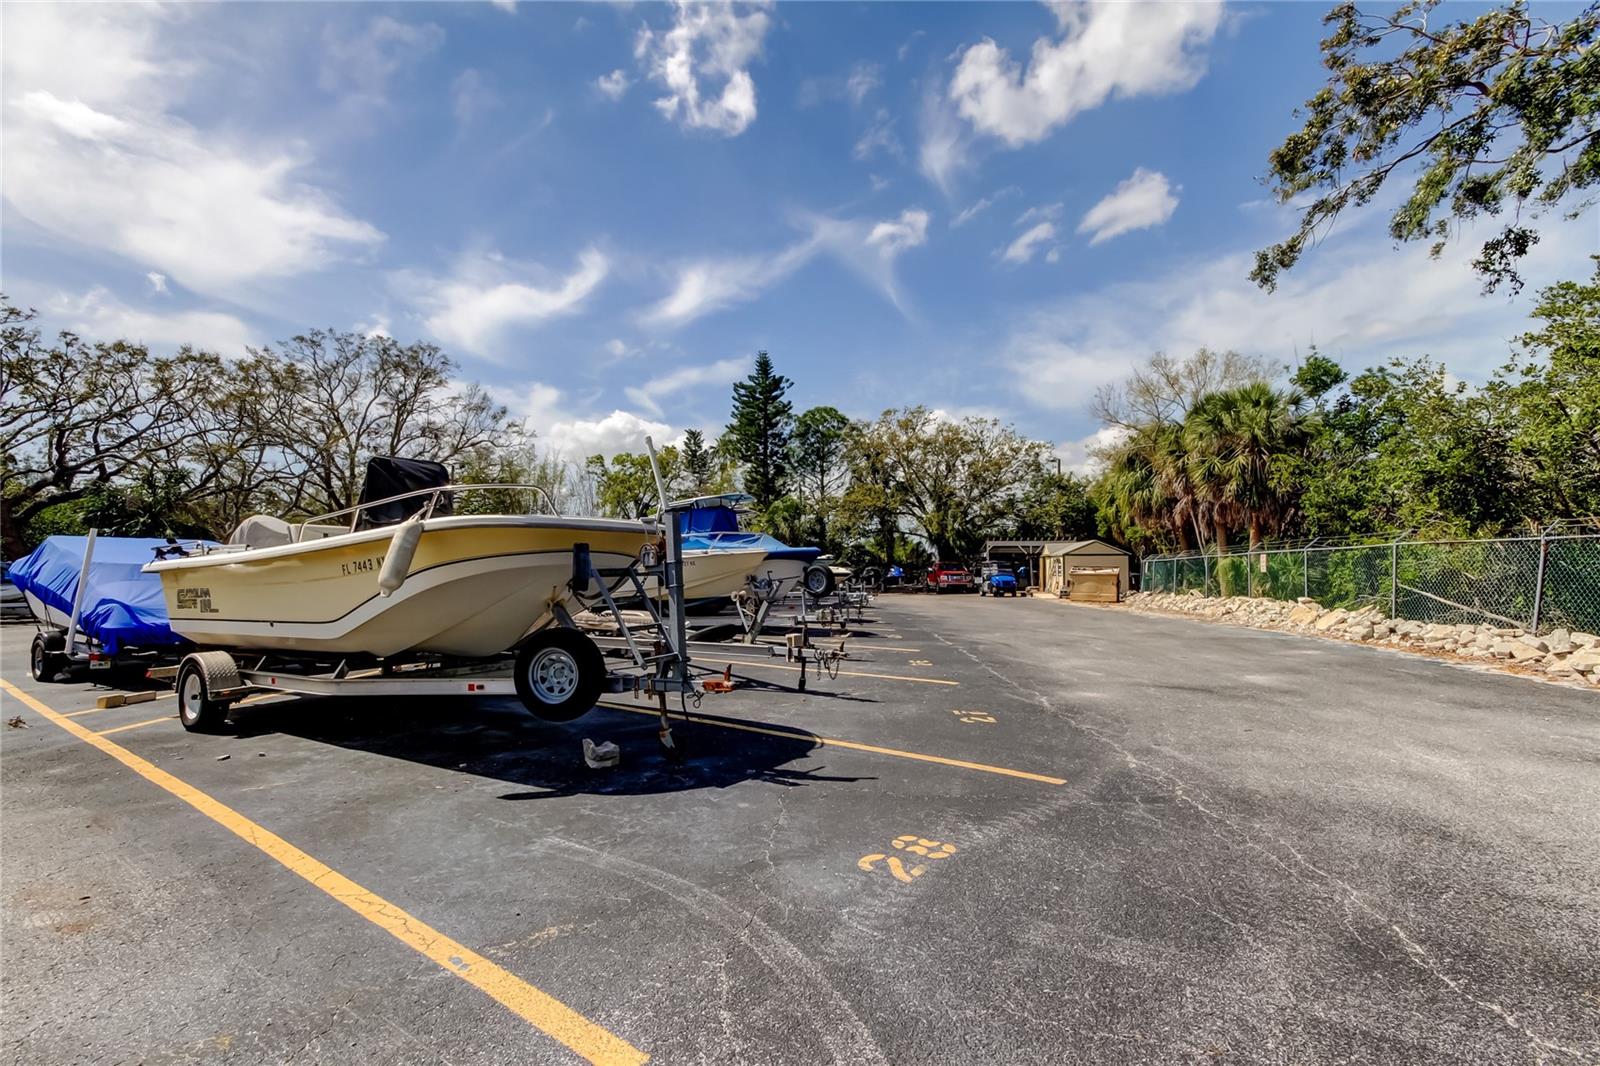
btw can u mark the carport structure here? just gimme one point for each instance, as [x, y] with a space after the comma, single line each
[1050, 562]
[1018, 554]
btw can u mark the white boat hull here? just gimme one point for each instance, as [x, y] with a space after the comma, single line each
[713, 575]
[475, 586]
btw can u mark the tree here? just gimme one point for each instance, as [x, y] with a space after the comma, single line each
[81, 415]
[1239, 442]
[1499, 111]
[626, 486]
[956, 481]
[359, 396]
[1546, 400]
[760, 430]
[817, 452]
[699, 465]
[1145, 493]
[1054, 507]
[873, 500]
[1164, 389]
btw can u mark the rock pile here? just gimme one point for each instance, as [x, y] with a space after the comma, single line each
[1560, 653]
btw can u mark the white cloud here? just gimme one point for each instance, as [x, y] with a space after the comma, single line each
[896, 235]
[723, 372]
[1045, 212]
[706, 285]
[613, 85]
[470, 96]
[361, 63]
[1025, 247]
[376, 326]
[505, 5]
[1078, 456]
[619, 431]
[863, 79]
[1359, 300]
[98, 315]
[1105, 50]
[158, 282]
[869, 249]
[944, 146]
[1142, 201]
[563, 435]
[488, 295]
[95, 155]
[878, 136]
[709, 43]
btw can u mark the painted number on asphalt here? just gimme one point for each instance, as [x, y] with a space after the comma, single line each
[921, 662]
[925, 851]
[975, 716]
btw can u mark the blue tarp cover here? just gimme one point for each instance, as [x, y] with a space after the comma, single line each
[121, 606]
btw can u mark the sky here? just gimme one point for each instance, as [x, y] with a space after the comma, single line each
[602, 211]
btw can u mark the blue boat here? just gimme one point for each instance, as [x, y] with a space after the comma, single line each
[711, 523]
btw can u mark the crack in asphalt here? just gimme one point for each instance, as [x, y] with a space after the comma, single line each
[1248, 835]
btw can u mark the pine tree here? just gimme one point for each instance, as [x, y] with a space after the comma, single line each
[760, 430]
[697, 460]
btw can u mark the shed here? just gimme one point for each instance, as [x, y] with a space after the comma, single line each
[1059, 557]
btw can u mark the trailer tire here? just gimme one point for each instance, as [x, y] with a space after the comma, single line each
[198, 710]
[560, 674]
[819, 581]
[45, 660]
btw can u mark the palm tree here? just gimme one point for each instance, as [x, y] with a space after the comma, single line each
[1238, 441]
[1146, 485]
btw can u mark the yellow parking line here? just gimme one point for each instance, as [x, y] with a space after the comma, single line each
[538, 1008]
[135, 725]
[834, 742]
[841, 673]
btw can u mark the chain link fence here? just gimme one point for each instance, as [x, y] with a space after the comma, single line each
[1537, 583]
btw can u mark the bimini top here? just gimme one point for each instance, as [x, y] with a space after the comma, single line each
[121, 605]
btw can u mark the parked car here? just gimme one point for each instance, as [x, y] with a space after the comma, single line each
[949, 577]
[996, 579]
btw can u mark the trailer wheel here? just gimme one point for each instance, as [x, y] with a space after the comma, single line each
[46, 660]
[819, 581]
[197, 711]
[560, 673]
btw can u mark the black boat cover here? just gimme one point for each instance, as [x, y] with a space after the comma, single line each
[390, 475]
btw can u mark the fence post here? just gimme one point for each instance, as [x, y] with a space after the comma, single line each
[1538, 581]
[1305, 571]
[1394, 579]
[1205, 570]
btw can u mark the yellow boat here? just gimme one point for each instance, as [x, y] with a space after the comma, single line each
[412, 580]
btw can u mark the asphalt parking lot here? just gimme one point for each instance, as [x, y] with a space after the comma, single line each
[1008, 831]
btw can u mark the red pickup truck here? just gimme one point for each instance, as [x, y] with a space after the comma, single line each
[949, 577]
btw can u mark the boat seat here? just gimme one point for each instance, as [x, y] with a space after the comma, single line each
[269, 531]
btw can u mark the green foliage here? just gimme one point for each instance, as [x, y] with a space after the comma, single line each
[1547, 401]
[1054, 506]
[1499, 111]
[699, 466]
[817, 452]
[956, 482]
[760, 430]
[626, 486]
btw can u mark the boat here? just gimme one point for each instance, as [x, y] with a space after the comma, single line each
[710, 525]
[396, 574]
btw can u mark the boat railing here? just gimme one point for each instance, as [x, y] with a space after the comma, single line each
[434, 495]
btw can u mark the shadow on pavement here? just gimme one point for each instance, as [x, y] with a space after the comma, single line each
[499, 740]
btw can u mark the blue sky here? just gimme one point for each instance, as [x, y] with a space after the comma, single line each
[603, 210]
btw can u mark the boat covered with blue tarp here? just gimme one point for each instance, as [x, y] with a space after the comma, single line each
[122, 606]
